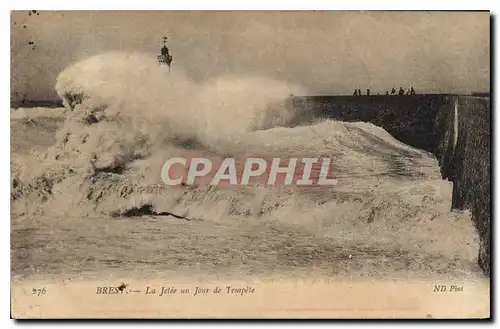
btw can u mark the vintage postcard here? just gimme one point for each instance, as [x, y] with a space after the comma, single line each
[250, 164]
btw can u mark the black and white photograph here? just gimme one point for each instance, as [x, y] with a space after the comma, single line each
[250, 164]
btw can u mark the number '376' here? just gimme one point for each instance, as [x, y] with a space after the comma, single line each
[38, 292]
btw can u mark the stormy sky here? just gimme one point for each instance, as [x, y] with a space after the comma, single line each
[326, 52]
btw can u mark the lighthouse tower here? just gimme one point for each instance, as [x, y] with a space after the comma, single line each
[165, 58]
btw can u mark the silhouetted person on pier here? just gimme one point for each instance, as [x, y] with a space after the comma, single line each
[412, 91]
[401, 91]
[393, 91]
[367, 92]
[387, 92]
[359, 92]
[355, 92]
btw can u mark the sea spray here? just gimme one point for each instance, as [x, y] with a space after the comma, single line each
[133, 87]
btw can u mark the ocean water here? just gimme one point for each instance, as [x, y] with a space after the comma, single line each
[101, 156]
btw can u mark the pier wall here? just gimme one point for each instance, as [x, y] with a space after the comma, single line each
[456, 129]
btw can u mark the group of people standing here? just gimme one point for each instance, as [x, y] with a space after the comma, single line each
[409, 91]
